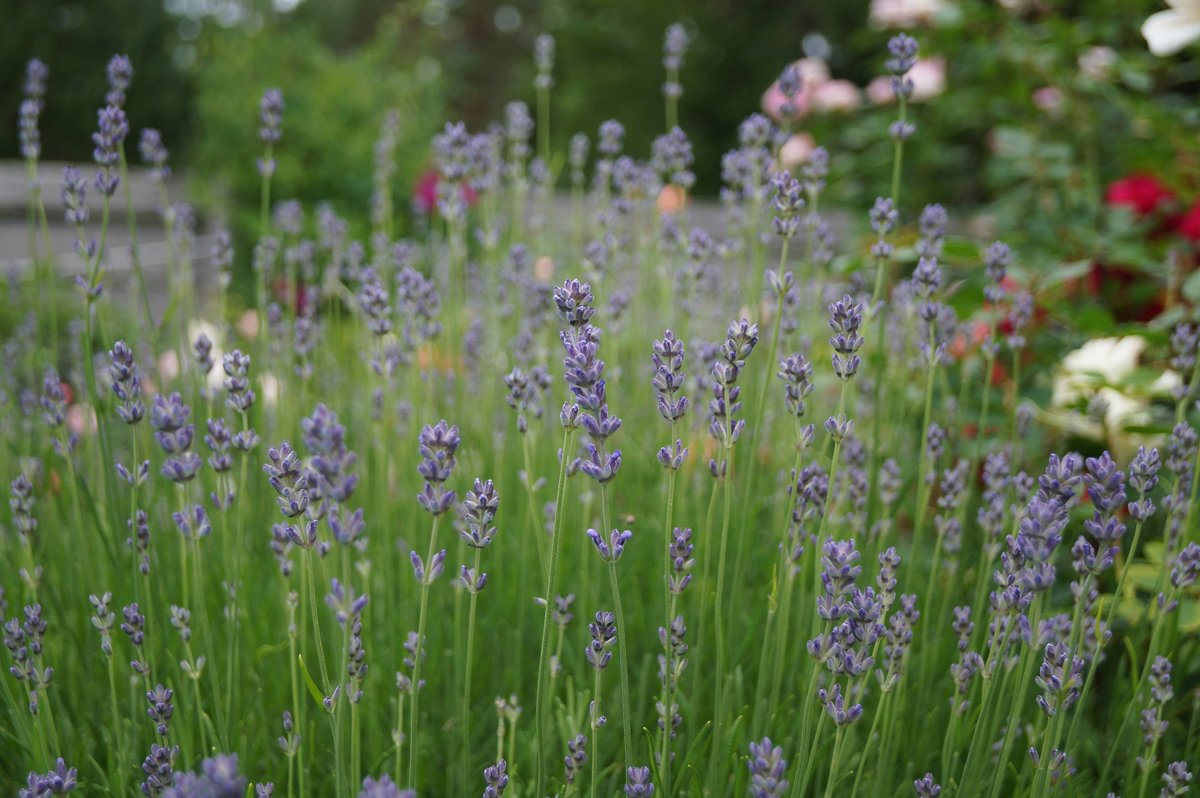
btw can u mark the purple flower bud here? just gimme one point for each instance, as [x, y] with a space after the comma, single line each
[926, 787]
[271, 116]
[604, 635]
[767, 770]
[612, 549]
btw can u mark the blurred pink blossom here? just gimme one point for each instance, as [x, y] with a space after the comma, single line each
[836, 95]
[905, 13]
[81, 420]
[1097, 62]
[1048, 99]
[796, 150]
[929, 80]
[813, 72]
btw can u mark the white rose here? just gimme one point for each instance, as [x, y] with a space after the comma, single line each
[1168, 32]
[1113, 359]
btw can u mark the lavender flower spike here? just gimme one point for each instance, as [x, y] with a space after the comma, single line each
[612, 549]
[384, 787]
[59, 781]
[767, 768]
[496, 777]
[437, 446]
[638, 784]
[926, 787]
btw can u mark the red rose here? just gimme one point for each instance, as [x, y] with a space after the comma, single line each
[1143, 194]
[425, 192]
[1189, 223]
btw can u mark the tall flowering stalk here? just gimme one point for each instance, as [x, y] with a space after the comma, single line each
[543, 57]
[668, 383]
[927, 282]
[903, 51]
[585, 375]
[795, 371]
[789, 203]
[120, 75]
[29, 135]
[675, 45]
[604, 636]
[1143, 477]
[348, 608]
[437, 446]
[740, 339]
[287, 478]
[270, 115]
[574, 303]
[479, 511]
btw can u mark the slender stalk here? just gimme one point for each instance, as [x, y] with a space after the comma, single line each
[1028, 665]
[534, 518]
[470, 657]
[898, 151]
[595, 726]
[838, 739]
[118, 729]
[623, 657]
[923, 493]
[1094, 664]
[414, 721]
[719, 619]
[134, 255]
[560, 493]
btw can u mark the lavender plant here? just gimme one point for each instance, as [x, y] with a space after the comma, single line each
[1035, 638]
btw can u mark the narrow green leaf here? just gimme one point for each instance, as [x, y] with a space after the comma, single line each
[313, 690]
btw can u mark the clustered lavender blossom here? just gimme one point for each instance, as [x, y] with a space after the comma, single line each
[585, 376]
[169, 417]
[331, 479]
[347, 608]
[740, 340]
[767, 768]
[437, 445]
[903, 50]
[271, 131]
[525, 392]
[154, 153]
[25, 641]
[58, 781]
[675, 45]
[112, 128]
[36, 74]
[285, 474]
[543, 57]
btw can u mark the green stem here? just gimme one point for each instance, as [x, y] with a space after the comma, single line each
[595, 727]
[560, 493]
[470, 656]
[414, 721]
[924, 490]
[623, 656]
[134, 254]
[839, 737]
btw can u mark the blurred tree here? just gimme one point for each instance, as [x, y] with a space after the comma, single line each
[76, 39]
[335, 106]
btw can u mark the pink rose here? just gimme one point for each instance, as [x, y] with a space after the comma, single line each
[904, 13]
[836, 95]
[796, 150]
[813, 73]
[879, 90]
[1097, 62]
[929, 80]
[1048, 99]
